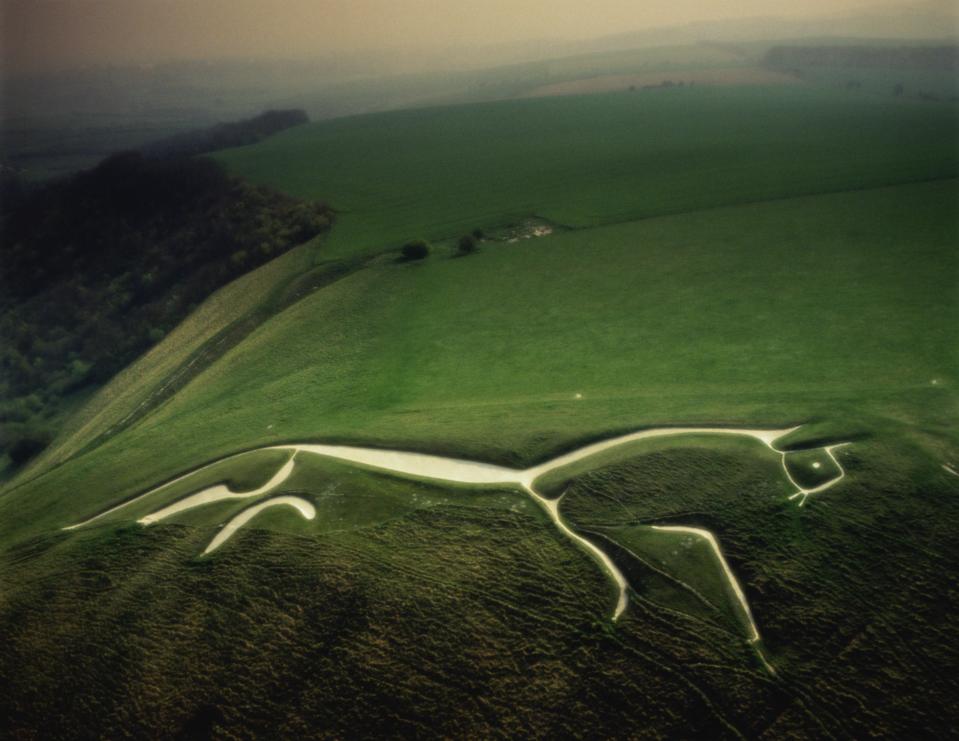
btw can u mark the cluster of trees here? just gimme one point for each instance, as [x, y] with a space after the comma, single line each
[222, 136]
[419, 249]
[469, 243]
[97, 268]
[929, 58]
[664, 85]
[889, 61]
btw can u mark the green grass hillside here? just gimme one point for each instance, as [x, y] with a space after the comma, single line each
[740, 258]
[586, 161]
[761, 314]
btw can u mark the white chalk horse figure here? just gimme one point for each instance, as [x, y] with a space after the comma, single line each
[465, 472]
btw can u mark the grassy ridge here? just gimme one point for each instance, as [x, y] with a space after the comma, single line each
[595, 160]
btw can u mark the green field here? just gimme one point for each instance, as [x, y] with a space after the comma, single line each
[412, 356]
[754, 258]
[603, 159]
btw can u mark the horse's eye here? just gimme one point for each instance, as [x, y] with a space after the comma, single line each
[811, 468]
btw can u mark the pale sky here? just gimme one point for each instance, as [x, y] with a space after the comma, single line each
[57, 33]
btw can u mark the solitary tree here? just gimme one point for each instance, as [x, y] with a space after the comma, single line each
[466, 244]
[416, 250]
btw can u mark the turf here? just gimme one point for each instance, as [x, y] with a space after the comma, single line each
[476, 620]
[411, 356]
[688, 563]
[345, 497]
[737, 286]
[811, 468]
[849, 576]
[480, 613]
[586, 161]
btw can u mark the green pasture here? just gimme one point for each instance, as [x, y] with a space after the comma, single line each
[837, 310]
[346, 497]
[584, 161]
[940, 85]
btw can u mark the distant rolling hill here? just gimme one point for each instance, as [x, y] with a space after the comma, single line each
[438, 172]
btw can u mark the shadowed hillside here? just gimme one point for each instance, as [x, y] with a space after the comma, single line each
[98, 268]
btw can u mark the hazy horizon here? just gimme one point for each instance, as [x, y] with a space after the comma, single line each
[51, 35]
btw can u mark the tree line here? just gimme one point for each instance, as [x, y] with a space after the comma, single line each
[929, 58]
[225, 135]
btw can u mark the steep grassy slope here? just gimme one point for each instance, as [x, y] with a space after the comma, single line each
[470, 618]
[587, 161]
[217, 325]
[459, 621]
